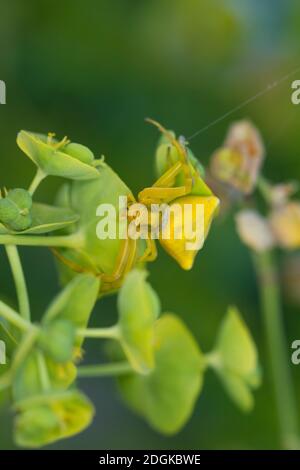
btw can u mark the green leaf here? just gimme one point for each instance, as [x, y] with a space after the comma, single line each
[45, 419]
[46, 219]
[50, 156]
[26, 380]
[75, 303]
[167, 395]
[236, 346]
[138, 307]
[238, 390]
[237, 361]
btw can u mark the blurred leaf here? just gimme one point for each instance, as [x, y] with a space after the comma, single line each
[238, 390]
[139, 307]
[166, 396]
[26, 381]
[75, 303]
[237, 362]
[235, 345]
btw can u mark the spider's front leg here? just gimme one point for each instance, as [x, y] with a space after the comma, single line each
[163, 190]
[125, 259]
[150, 253]
[124, 263]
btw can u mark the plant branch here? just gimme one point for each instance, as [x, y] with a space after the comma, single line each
[43, 372]
[13, 317]
[20, 283]
[112, 332]
[38, 178]
[67, 241]
[277, 347]
[105, 370]
[25, 347]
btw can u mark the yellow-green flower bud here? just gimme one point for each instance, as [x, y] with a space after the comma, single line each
[15, 210]
[57, 339]
[81, 152]
[46, 418]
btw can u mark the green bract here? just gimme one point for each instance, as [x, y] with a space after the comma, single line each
[99, 256]
[44, 219]
[74, 304]
[46, 418]
[238, 363]
[166, 396]
[52, 158]
[61, 375]
[138, 307]
[27, 381]
[15, 210]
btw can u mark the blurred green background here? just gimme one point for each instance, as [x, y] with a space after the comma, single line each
[94, 70]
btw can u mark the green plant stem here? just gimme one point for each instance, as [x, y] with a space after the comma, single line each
[67, 241]
[43, 372]
[25, 347]
[13, 317]
[28, 340]
[38, 178]
[20, 283]
[112, 332]
[277, 347]
[105, 370]
[213, 360]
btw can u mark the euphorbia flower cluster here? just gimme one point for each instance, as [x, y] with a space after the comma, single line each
[158, 363]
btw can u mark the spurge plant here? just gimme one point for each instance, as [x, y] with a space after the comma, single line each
[158, 364]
